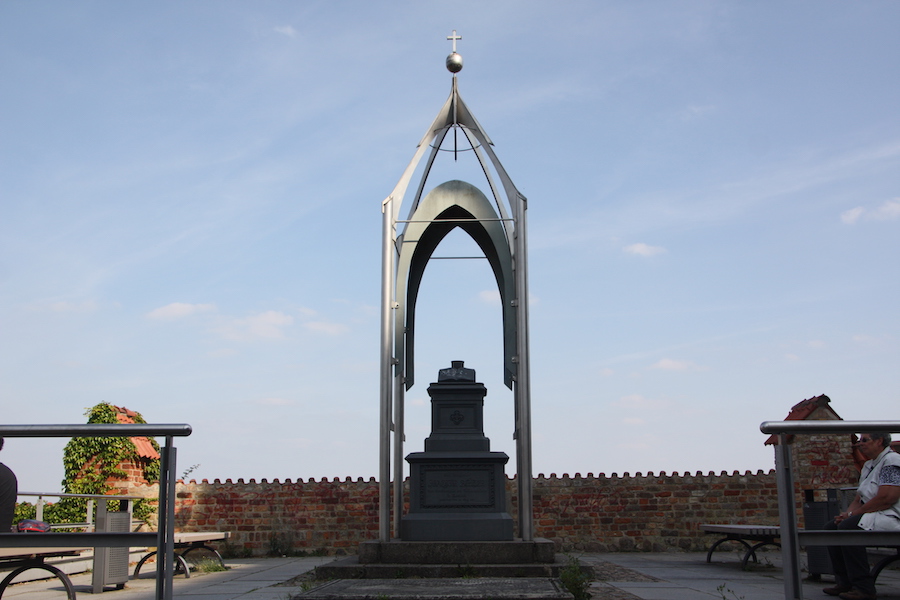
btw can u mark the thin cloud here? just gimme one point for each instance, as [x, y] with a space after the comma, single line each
[870, 340]
[888, 211]
[642, 249]
[178, 310]
[669, 364]
[63, 306]
[639, 402]
[266, 325]
[703, 205]
[222, 353]
[695, 111]
[491, 297]
[285, 30]
[326, 327]
[274, 402]
[852, 216]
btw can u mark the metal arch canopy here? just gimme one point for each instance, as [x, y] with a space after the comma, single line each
[452, 204]
[504, 243]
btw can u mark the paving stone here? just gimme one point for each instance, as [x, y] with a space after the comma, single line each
[439, 589]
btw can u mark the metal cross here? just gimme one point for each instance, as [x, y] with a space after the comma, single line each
[454, 37]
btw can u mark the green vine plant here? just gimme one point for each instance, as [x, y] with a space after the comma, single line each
[90, 462]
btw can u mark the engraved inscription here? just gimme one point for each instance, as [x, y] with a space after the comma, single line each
[457, 487]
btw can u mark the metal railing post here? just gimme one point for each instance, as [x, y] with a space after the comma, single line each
[165, 564]
[790, 557]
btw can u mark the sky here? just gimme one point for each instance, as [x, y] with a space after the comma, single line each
[190, 223]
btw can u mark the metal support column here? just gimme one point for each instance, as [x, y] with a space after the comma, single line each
[523, 381]
[399, 438]
[790, 557]
[387, 368]
[165, 564]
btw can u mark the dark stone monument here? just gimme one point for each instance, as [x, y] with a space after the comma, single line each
[457, 514]
[457, 485]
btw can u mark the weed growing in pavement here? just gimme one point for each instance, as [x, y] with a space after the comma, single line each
[575, 579]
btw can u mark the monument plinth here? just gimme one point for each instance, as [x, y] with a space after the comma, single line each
[457, 485]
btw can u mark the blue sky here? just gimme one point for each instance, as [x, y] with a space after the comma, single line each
[190, 197]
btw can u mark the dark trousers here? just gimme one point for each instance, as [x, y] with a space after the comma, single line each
[851, 563]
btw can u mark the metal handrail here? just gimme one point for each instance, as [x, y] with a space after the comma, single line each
[68, 495]
[97, 430]
[806, 427]
[89, 513]
[164, 538]
[790, 538]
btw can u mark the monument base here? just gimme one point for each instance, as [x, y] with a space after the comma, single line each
[510, 552]
[429, 560]
[449, 527]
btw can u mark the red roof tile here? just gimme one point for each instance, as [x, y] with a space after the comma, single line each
[143, 445]
[805, 409]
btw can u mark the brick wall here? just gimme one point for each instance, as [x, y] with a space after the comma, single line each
[648, 512]
[642, 512]
[592, 513]
[824, 461]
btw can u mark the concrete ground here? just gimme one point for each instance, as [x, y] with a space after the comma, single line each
[628, 576]
[682, 576]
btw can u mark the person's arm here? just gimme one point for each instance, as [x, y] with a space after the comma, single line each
[886, 497]
[851, 510]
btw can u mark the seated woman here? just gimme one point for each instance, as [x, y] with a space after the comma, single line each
[9, 489]
[875, 507]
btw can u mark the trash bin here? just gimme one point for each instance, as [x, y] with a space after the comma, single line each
[111, 564]
[815, 515]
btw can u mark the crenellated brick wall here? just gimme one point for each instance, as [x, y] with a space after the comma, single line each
[649, 512]
[267, 517]
[642, 512]
[652, 512]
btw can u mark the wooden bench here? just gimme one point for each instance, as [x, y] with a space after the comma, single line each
[19, 560]
[762, 535]
[769, 534]
[23, 551]
[186, 543]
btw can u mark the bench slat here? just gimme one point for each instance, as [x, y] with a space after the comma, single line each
[744, 530]
[848, 538]
[94, 539]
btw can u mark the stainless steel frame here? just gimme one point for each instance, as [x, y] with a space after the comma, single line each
[508, 218]
[790, 537]
[164, 539]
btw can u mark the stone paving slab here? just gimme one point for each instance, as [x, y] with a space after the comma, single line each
[439, 589]
[688, 575]
[621, 576]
